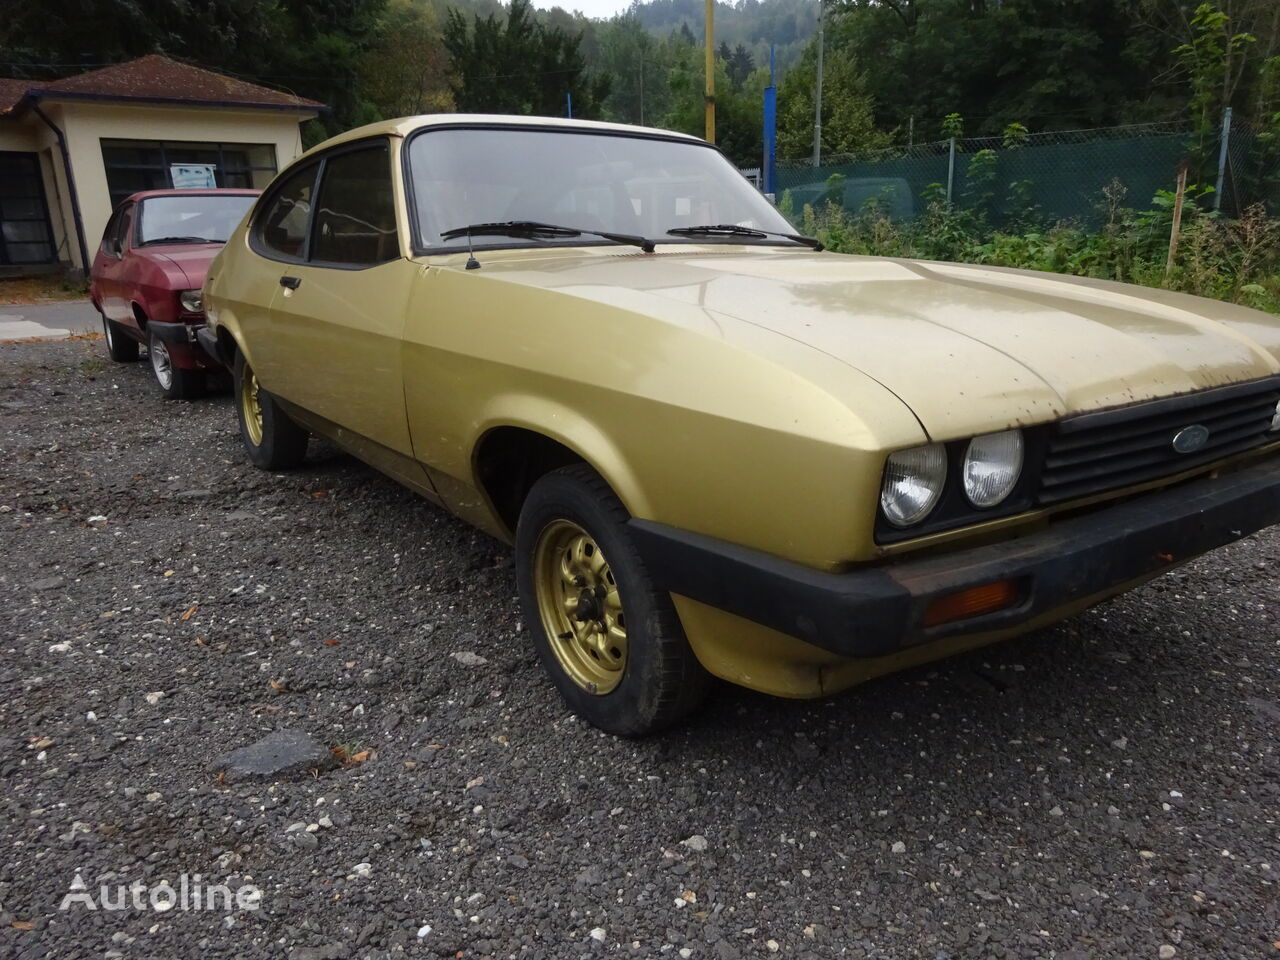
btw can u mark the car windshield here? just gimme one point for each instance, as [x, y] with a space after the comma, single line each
[590, 181]
[207, 218]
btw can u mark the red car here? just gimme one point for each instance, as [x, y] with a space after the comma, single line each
[147, 275]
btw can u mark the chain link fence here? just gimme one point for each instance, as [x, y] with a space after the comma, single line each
[1070, 175]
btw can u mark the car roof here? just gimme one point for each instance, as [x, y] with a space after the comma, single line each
[403, 126]
[205, 192]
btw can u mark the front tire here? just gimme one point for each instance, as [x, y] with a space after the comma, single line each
[121, 347]
[609, 639]
[175, 382]
[272, 440]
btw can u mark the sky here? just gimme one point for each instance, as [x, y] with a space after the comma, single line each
[592, 8]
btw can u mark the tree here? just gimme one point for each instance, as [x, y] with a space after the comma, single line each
[406, 69]
[312, 49]
[519, 66]
[848, 111]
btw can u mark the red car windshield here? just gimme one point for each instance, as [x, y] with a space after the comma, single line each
[193, 219]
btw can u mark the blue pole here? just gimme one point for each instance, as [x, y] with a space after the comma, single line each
[568, 99]
[769, 170]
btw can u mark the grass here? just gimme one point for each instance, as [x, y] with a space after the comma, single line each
[50, 289]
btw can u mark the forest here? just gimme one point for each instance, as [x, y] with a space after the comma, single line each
[895, 72]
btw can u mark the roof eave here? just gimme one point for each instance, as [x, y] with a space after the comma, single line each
[168, 101]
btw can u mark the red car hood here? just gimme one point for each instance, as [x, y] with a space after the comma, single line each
[192, 259]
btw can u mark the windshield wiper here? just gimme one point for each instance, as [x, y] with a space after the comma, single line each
[733, 230]
[535, 230]
[145, 243]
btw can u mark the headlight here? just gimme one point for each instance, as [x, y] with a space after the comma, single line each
[191, 301]
[992, 466]
[913, 482]
[1275, 421]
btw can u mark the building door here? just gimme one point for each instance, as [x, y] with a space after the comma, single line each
[25, 235]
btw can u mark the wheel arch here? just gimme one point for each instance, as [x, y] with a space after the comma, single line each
[508, 458]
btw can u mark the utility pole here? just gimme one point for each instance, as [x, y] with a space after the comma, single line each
[817, 110]
[1222, 159]
[711, 71]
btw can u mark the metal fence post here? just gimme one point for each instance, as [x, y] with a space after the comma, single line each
[951, 170]
[1222, 159]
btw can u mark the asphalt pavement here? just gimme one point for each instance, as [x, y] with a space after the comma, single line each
[48, 321]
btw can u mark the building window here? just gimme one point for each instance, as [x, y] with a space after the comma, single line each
[133, 165]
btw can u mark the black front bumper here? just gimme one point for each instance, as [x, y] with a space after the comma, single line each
[177, 332]
[880, 609]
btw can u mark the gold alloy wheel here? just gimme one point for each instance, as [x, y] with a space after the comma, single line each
[251, 406]
[580, 607]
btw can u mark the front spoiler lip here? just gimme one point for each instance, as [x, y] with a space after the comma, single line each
[879, 610]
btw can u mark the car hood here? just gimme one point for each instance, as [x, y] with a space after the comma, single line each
[967, 348]
[190, 260]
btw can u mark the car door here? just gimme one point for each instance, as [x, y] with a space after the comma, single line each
[337, 317]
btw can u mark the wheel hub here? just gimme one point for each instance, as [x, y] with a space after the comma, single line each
[251, 406]
[580, 607]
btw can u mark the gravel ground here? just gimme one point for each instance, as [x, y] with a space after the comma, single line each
[1109, 788]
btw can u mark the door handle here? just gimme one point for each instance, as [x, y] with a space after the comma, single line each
[293, 283]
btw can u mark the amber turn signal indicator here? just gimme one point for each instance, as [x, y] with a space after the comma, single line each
[971, 603]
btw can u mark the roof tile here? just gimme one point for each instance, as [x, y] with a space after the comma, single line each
[156, 77]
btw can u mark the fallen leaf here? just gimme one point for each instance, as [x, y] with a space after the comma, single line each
[23, 925]
[319, 494]
[190, 610]
[202, 641]
[168, 573]
[279, 687]
[362, 756]
[331, 643]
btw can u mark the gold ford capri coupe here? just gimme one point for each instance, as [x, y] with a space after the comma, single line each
[717, 449]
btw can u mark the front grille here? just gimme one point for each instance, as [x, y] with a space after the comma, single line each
[1095, 452]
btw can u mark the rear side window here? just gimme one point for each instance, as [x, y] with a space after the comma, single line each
[282, 227]
[117, 230]
[355, 222]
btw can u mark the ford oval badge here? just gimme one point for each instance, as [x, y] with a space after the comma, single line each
[1190, 439]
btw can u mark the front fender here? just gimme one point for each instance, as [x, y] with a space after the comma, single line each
[570, 428]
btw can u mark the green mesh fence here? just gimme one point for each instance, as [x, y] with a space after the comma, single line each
[1066, 175]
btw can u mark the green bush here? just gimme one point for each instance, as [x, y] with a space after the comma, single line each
[1233, 260]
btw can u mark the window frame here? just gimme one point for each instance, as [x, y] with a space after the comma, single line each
[366, 143]
[256, 244]
[419, 249]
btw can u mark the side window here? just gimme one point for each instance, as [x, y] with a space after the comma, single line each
[112, 230]
[124, 238]
[355, 221]
[117, 229]
[282, 225]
